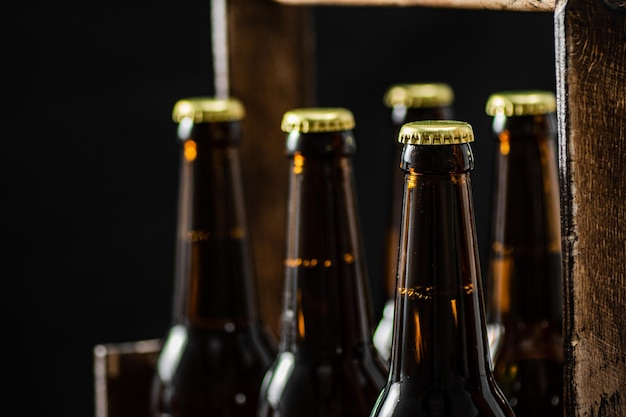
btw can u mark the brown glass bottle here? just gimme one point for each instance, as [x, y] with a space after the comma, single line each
[524, 302]
[217, 349]
[327, 365]
[440, 356]
[408, 103]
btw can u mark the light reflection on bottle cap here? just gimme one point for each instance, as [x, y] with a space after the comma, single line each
[521, 103]
[312, 120]
[208, 109]
[419, 95]
[436, 132]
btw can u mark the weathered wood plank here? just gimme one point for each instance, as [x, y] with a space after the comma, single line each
[591, 77]
[511, 5]
[271, 54]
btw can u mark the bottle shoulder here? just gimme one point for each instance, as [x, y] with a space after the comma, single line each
[230, 344]
[534, 341]
[299, 384]
[360, 361]
[210, 372]
[404, 399]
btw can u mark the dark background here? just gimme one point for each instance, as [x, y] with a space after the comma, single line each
[89, 159]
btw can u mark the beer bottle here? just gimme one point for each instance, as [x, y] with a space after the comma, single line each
[440, 356]
[408, 103]
[524, 303]
[217, 349]
[327, 364]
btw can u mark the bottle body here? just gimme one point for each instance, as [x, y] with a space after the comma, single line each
[525, 265]
[327, 365]
[440, 363]
[217, 350]
[408, 103]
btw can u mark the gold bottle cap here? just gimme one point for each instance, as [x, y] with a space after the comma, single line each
[436, 132]
[419, 95]
[208, 109]
[521, 103]
[311, 120]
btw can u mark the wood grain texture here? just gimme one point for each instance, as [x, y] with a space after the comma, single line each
[591, 80]
[511, 5]
[271, 71]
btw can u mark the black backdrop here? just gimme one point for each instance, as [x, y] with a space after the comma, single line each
[89, 163]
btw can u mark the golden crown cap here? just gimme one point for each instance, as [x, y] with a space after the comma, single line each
[208, 109]
[436, 132]
[521, 103]
[419, 95]
[317, 119]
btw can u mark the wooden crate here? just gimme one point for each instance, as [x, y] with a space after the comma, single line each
[590, 47]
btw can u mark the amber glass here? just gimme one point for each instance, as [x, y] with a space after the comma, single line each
[217, 349]
[440, 355]
[327, 365]
[408, 103]
[524, 299]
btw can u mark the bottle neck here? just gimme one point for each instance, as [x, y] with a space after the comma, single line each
[399, 116]
[327, 309]
[439, 333]
[525, 254]
[214, 272]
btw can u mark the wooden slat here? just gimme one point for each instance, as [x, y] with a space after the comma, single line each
[511, 5]
[591, 79]
[271, 50]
